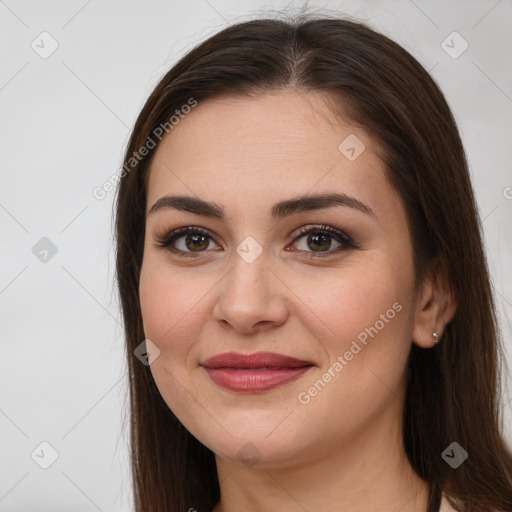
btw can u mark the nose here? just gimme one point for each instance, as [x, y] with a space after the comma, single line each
[251, 297]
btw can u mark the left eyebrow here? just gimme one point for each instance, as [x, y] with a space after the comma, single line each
[279, 211]
[317, 202]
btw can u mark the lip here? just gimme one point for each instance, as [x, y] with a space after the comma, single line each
[259, 371]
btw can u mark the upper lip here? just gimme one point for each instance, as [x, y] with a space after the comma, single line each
[255, 360]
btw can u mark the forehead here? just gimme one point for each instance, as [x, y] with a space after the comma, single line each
[250, 152]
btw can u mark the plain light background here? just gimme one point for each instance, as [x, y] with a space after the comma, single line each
[64, 126]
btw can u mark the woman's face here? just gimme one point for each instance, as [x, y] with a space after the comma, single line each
[265, 278]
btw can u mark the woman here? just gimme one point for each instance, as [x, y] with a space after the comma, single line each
[302, 275]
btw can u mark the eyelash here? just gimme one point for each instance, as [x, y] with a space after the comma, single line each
[165, 241]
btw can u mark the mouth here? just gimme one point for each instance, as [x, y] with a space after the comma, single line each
[249, 373]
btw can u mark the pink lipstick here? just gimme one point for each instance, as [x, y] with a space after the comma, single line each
[250, 373]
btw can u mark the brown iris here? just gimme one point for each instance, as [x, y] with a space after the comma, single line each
[321, 241]
[199, 242]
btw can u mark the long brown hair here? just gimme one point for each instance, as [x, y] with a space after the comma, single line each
[453, 390]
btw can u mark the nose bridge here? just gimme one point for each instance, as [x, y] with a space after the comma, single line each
[247, 280]
[248, 296]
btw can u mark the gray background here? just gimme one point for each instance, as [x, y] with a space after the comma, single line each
[65, 123]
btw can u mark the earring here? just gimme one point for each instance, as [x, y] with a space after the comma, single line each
[435, 336]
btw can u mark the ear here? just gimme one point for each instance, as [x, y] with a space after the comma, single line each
[435, 307]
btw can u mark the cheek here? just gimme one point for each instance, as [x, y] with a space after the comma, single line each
[363, 322]
[175, 307]
[170, 308]
[362, 315]
[170, 304]
[347, 301]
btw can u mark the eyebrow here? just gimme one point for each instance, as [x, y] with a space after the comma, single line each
[279, 211]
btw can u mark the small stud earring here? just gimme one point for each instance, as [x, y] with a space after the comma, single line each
[435, 336]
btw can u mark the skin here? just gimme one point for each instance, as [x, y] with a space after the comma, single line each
[342, 450]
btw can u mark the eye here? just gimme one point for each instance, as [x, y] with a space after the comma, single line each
[190, 241]
[195, 240]
[319, 239]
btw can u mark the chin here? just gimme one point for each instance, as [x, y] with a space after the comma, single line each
[251, 448]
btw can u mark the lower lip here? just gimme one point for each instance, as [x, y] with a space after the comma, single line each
[255, 379]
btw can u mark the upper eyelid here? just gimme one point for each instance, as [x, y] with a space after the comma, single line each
[300, 231]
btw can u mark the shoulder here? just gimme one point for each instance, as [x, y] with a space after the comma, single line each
[445, 505]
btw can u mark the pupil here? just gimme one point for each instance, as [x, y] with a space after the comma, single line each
[322, 238]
